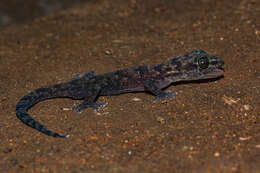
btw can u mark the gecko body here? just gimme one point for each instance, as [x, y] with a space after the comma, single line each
[195, 65]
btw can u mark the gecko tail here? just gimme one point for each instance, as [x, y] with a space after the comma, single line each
[28, 120]
[21, 112]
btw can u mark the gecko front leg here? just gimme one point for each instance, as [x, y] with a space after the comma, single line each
[152, 86]
[86, 75]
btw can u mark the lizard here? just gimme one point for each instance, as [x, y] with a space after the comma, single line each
[194, 65]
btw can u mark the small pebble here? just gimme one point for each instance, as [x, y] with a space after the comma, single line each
[66, 109]
[160, 119]
[247, 107]
[216, 154]
[244, 138]
[108, 52]
[136, 99]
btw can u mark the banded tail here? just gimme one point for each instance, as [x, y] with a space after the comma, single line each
[31, 99]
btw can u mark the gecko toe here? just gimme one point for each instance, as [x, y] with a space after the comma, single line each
[76, 76]
[78, 108]
[97, 105]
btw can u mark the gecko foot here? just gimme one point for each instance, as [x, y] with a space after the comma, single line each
[97, 105]
[164, 95]
[79, 108]
[76, 76]
[87, 75]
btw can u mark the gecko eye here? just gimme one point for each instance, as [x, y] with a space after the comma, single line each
[203, 62]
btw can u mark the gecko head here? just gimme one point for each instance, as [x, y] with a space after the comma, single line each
[208, 66]
[197, 64]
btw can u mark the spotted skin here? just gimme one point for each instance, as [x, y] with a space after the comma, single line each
[195, 65]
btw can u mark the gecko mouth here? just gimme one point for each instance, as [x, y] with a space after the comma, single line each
[215, 72]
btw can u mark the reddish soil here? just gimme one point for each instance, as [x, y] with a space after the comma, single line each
[208, 127]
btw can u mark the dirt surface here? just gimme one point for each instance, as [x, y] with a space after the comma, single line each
[208, 127]
[21, 11]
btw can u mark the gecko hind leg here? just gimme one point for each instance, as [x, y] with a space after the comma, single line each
[164, 94]
[91, 95]
[87, 75]
[153, 87]
[94, 105]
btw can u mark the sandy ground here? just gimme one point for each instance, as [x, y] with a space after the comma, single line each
[208, 127]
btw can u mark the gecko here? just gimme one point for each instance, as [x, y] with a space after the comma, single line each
[194, 65]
